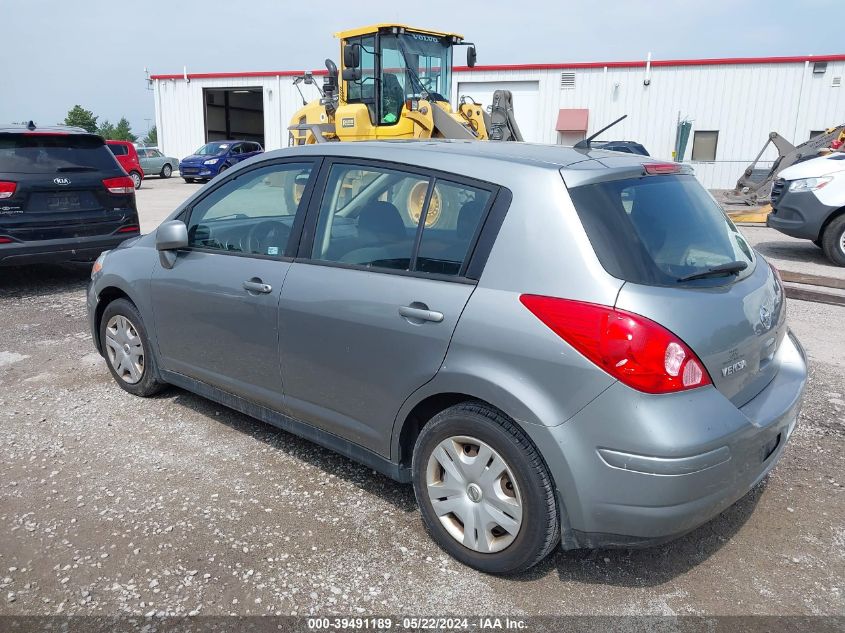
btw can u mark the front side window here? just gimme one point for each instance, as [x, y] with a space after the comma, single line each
[251, 214]
[660, 230]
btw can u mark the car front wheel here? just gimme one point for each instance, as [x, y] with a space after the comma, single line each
[189, 180]
[833, 241]
[166, 171]
[485, 494]
[127, 349]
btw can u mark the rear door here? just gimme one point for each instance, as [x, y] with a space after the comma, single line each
[59, 191]
[216, 309]
[369, 306]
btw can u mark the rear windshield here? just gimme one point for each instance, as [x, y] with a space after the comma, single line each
[658, 230]
[48, 154]
[118, 150]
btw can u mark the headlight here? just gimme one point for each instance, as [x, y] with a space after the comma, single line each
[809, 184]
[210, 161]
[98, 265]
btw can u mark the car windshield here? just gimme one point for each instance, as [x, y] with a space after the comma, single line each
[660, 230]
[212, 149]
[53, 153]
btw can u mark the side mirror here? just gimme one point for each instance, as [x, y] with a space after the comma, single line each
[351, 74]
[471, 56]
[170, 237]
[352, 55]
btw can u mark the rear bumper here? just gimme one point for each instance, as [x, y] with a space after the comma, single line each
[59, 250]
[639, 470]
[799, 215]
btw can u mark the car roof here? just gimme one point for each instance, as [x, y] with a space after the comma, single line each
[451, 154]
[58, 129]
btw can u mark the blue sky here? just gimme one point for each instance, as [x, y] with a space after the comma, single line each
[93, 52]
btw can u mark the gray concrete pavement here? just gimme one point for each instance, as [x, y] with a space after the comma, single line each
[114, 505]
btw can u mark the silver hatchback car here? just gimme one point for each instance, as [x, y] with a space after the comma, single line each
[556, 346]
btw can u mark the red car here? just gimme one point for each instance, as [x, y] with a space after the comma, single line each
[127, 156]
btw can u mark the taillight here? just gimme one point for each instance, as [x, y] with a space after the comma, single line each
[132, 228]
[119, 185]
[7, 189]
[5, 240]
[634, 350]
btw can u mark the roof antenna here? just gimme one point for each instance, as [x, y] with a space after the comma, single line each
[585, 143]
[30, 126]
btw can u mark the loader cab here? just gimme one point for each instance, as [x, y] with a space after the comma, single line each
[387, 66]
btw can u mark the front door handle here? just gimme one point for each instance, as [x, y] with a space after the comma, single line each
[421, 314]
[258, 286]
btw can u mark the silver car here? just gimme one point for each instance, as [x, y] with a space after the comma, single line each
[154, 163]
[555, 346]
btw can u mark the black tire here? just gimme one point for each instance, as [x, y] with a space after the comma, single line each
[166, 171]
[539, 532]
[188, 180]
[147, 385]
[222, 169]
[833, 241]
[137, 179]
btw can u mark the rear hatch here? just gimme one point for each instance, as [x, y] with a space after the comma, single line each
[688, 268]
[59, 188]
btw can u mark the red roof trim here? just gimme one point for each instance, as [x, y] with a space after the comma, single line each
[722, 61]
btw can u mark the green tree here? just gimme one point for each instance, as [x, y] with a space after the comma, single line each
[78, 116]
[106, 130]
[123, 131]
[152, 137]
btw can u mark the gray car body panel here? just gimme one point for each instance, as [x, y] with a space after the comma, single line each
[630, 468]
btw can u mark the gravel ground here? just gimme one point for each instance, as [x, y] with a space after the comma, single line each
[111, 505]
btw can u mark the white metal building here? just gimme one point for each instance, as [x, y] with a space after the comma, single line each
[733, 104]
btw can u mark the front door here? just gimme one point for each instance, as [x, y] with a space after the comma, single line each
[216, 309]
[367, 317]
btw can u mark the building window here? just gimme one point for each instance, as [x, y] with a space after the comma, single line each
[704, 145]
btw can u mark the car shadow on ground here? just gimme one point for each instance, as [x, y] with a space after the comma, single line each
[399, 495]
[43, 279]
[651, 566]
[623, 567]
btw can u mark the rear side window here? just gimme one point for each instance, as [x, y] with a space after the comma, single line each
[454, 215]
[118, 150]
[50, 154]
[656, 230]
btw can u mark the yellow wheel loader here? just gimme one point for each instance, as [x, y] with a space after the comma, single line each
[395, 83]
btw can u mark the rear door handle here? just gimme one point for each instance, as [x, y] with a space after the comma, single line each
[421, 314]
[256, 285]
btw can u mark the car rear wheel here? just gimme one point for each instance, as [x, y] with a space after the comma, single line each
[127, 349]
[136, 179]
[166, 171]
[485, 494]
[833, 241]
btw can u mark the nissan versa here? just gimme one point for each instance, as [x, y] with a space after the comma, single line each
[556, 346]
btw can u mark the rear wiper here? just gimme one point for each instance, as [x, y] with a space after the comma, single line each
[731, 268]
[69, 169]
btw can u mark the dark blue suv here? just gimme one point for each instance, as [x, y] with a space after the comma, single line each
[215, 157]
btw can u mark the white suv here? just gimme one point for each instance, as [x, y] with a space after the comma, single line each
[808, 201]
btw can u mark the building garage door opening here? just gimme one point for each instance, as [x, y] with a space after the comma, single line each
[234, 113]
